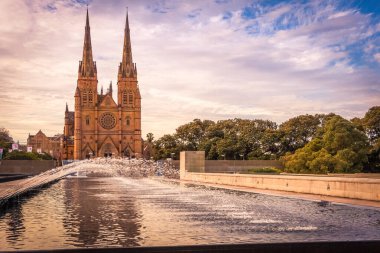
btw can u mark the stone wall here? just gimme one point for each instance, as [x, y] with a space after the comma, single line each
[356, 188]
[192, 161]
[239, 165]
[235, 166]
[29, 167]
[336, 186]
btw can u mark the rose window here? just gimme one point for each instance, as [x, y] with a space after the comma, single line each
[107, 120]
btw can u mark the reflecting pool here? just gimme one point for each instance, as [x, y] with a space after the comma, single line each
[117, 211]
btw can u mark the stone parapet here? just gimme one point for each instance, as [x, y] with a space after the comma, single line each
[347, 187]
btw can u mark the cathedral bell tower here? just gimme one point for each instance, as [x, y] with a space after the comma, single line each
[86, 91]
[129, 99]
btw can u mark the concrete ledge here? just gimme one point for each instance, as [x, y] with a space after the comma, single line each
[292, 247]
[239, 165]
[355, 188]
[11, 177]
[27, 167]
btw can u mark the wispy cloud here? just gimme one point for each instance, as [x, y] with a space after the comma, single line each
[197, 59]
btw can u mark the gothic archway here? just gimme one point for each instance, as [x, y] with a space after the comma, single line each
[108, 150]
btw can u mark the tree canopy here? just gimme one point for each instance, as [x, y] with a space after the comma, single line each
[22, 155]
[317, 143]
[338, 147]
[5, 140]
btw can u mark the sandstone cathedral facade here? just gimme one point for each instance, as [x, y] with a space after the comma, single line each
[99, 126]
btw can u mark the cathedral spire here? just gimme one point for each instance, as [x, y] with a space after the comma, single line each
[87, 67]
[127, 68]
[67, 107]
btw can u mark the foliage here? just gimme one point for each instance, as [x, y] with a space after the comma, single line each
[190, 135]
[21, 155]
[371, 124]
[149, 137]
[165, 146]
[373, 164]
[298, 131]
[338, 147]
[224, 139]
[317, 143]
[268, 170]
[5, 140]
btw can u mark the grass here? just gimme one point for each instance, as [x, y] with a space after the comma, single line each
[267, 170]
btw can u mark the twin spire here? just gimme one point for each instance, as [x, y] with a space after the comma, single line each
[127, 68]
[87, 67]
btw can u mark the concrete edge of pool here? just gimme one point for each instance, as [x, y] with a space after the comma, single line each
[288, 247]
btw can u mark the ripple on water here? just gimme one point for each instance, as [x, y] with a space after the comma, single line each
[109, 211]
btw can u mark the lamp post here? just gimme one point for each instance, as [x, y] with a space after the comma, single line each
[224, 157]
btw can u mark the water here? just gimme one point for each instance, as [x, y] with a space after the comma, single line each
[119, 211]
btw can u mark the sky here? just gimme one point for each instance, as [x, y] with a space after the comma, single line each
[215, 59]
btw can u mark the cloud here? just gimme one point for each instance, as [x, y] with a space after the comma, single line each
[295, 58]
[377, 57]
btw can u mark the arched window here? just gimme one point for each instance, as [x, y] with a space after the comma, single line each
[128, 121]
[124, 97]
[90, 97]
[87, 120]
[130, 98]
[84, 97]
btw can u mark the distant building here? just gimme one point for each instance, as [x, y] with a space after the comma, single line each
[40, 143]
[99, 126]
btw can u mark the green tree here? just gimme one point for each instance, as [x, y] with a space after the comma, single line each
[5, 140]
[191, 134]
[165, 146]
[212, 135]
[149, 137]
[338, 147]
[22, 155]
[371, 125]
[298, 131]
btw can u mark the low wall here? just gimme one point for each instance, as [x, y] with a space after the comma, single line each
[29, 167]
[356, 188]
[235, 166]
[239, 165]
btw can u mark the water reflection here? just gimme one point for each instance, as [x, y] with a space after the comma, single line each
[108, 212]
[97, 214]
[15, 228]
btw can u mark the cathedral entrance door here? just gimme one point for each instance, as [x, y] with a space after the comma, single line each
[107, 154]
[108, 150]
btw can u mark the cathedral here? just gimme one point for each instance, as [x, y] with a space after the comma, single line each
[99, 126]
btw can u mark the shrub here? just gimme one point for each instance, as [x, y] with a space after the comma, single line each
[267, 170]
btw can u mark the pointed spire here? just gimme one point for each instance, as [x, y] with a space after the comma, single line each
[67, 107]
[127, 67]
[87, 67]
[101, 91]
[110, 88]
